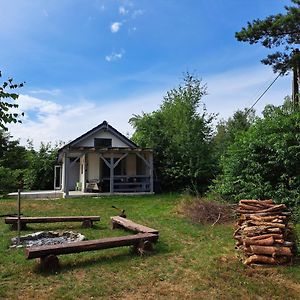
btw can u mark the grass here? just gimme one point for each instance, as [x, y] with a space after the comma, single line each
[190, 261]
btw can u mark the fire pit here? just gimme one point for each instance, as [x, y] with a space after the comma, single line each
[47, 238]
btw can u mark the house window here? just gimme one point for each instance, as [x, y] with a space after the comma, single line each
[102, 143]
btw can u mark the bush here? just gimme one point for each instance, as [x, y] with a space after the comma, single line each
[264, 162]
[9, 180]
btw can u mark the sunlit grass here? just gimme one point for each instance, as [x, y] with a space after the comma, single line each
[190, 261]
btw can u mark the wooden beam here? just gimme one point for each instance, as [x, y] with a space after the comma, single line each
[66, 175]
[83, 189]
[144, 159]
[73, 162]
[12, 220]
[122, 157]
[105, 161]
[76, 247]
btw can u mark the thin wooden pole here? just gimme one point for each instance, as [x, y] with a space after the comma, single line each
[19, 215]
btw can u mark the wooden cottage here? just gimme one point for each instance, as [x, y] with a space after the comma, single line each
[104, 161]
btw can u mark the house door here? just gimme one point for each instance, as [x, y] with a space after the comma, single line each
[57, 177]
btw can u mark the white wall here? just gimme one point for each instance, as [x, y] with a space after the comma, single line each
[89, 141]
[131, 165]
[93, 165]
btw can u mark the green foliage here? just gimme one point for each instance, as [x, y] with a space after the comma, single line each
[180, 136]
[9, 179]
[12, 163]
[7, 102]
[25, 168]
[40, 173]
[228, 130]
[12, 155]
[264, 162]
[276, 31]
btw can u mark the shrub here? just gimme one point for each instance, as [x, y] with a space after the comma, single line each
[264, 162]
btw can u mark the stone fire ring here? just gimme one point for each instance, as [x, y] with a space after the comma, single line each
[42, 238]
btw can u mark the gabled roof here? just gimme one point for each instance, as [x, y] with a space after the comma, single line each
[103, 126]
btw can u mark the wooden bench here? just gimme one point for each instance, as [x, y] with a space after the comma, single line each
[119, 222]
[87, 221]
[48, 254]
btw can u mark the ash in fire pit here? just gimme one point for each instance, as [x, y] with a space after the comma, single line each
[47, 238]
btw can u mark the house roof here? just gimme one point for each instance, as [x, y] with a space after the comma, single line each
[103, 126]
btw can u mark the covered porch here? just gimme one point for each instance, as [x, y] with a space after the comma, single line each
[105, 171]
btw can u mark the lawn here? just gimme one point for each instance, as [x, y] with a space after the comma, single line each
[190, 261]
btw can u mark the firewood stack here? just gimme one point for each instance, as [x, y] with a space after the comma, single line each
[263, 234]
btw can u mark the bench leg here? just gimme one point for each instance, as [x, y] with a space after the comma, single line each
[115, 225]
[87, 224]
[143, 247]
[14, 226]
[49, 263]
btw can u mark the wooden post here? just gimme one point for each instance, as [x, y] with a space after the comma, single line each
[111, 167]
[19, 215]
[66, 175]
[84, 173]
[151, 171]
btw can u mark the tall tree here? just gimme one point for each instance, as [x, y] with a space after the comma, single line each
[180, 133]
[8, 102]
[228, 130]
[278, 31]
[264, 161]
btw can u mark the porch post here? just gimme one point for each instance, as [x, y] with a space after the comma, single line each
[83, 186]
[151, 171]
[66, 164]
[111, 180]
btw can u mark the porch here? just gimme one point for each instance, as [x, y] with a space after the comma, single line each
[55, 194]
[105, 171]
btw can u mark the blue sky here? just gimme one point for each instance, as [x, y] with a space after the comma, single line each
[85, 61]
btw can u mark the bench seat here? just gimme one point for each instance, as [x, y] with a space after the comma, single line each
[130, 225]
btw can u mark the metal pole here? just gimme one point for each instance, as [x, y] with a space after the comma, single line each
[19, 213]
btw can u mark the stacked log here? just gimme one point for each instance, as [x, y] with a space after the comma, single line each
[263, 232]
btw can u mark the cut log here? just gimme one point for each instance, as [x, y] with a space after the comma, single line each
[259, 202]
[49, 263]
[265, 260]
[262, 242]
[249, 207]
[267, 218]
[269, 250]
[264, 236]
[278, 225]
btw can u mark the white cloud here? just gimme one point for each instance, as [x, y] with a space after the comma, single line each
[53, 92]
[137, 12]
[114, 56]
[115, 27]
[55, 122]
[123, 10]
